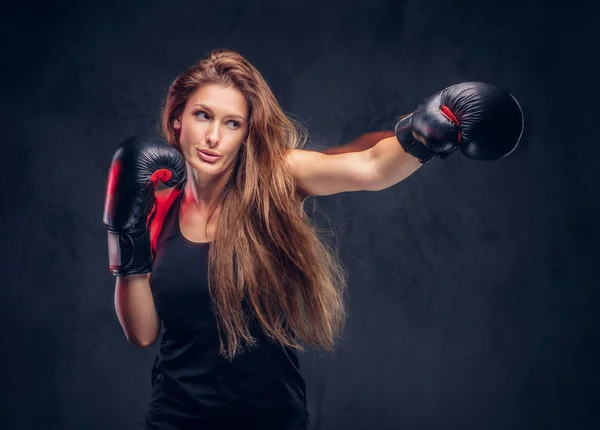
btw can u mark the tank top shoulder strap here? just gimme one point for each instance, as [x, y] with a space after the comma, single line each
[163, 205]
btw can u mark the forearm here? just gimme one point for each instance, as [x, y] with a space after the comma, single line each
[361, 143]
[390, 163]
[135, 309]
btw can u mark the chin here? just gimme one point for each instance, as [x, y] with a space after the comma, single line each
[207, 168]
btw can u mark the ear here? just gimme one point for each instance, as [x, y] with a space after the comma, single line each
[176, 124]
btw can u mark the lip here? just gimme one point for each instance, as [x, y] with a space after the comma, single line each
[208, 152]
[207, 157]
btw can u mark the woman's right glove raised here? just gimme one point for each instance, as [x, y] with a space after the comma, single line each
[137, 166]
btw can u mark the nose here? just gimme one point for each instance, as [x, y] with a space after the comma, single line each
[212, 135]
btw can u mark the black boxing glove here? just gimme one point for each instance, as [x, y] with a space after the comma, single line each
[137, 166]
[483, 121]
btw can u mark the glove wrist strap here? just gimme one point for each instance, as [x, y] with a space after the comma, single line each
[408, 142]
[129, 252]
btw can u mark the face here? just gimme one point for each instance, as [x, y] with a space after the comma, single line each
[212, 128]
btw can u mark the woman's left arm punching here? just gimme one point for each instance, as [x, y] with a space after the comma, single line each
[369, 163]
[482, 121]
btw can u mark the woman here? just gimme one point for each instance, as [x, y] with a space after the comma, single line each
[228, 261]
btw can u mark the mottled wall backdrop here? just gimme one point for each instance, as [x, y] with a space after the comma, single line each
[473, 286]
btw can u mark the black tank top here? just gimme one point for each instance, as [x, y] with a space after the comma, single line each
[191, 382]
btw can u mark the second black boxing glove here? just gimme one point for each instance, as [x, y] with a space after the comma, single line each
[137, 166]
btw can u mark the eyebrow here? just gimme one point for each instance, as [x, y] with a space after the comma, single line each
[232, 115]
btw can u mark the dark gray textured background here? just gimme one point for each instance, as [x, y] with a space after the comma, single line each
[473, 285]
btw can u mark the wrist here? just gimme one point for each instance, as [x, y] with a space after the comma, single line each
[129, 252]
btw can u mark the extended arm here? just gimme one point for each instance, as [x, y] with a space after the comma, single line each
[371, 162]
[483, 121]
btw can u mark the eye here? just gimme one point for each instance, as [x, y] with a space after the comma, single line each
[200, 113]
[235, 123]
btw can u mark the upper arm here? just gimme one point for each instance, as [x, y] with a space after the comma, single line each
[319, 174]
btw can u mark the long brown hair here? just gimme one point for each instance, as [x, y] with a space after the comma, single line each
[268, 253]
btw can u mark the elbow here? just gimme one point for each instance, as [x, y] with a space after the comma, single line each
[141, 343]
[372, 177]
[141, 340]
[374, 181]
[369, 178]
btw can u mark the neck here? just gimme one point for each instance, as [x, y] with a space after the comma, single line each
[202, 192]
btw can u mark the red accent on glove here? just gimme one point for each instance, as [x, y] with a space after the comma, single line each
[161, 174]
[162, 204]
[448, 114]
